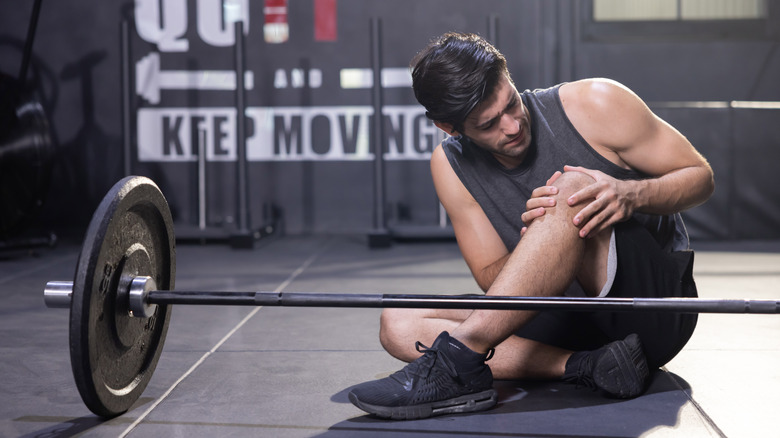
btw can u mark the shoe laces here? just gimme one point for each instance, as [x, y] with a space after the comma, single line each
[426, 363]
[584, 375]
[430, 355]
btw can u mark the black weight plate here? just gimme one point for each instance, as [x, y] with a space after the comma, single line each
[113, 355]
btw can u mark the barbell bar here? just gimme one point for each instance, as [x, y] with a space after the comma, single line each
[143, 298]
[123, 289]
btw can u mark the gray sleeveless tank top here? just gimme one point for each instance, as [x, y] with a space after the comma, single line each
[502, 193]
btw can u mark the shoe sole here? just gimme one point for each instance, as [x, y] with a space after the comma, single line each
[627, 376]
[467, 403]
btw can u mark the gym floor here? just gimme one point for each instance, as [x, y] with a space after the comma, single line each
[285, 372]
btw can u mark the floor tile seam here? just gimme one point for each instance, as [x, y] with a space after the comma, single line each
[732, 350]
[376, 427]
[312, 257]
[393, 275]
[278, 350]
[737, 274]
[688, 394]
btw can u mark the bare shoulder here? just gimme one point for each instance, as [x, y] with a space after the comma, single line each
[598, 94]
[607, 114]
[450, 190]
[440, 168]
[439, 163]
[438, 155]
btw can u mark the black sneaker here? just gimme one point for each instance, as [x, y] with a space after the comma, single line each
[448, 378]
[618, 368]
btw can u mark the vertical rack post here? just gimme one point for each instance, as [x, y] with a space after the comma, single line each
[202, 201]
[492, 29]
[243, 238]
[126, 104]
[28, 42]
[379, 236]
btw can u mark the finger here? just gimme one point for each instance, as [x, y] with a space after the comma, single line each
[554, 177]
[522, 231]
[595, 225]
[588, 212]
[539, 202]
[588, 192]
[584, 232]
[603, 218]
[530, 215]
[544, 191]
[588, 226]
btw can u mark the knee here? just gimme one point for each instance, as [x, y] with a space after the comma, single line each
[571, 182]
[390, 328]
[568, 184]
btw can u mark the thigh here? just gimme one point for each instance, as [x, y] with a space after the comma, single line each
[410, 325]
[646, 270]
[407, 314]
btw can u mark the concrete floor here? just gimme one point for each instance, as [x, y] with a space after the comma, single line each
[241, 371]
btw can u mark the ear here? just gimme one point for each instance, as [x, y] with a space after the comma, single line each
[446, 127]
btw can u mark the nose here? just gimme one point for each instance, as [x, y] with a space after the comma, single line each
[509, 125]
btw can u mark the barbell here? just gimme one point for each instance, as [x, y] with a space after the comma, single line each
[123, 287]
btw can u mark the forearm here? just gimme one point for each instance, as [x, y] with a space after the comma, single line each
[488, 274]
[674, 192]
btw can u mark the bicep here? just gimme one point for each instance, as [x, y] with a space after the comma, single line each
[657, 148]
[616, 119]
[477, 239]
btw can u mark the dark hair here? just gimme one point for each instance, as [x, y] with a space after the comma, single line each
[453, 74]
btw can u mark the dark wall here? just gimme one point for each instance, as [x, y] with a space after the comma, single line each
[75, 70]
[326, 186]
[699, 80]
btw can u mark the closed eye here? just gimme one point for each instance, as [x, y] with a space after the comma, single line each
[489, 124]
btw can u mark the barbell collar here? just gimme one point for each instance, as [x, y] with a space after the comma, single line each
[58, 294]
[138, 297]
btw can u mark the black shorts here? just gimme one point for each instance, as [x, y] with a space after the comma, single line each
[643, 270]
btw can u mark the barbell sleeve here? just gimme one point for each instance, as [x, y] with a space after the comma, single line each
[58, 294]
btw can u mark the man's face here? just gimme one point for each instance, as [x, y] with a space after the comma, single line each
[501, 125]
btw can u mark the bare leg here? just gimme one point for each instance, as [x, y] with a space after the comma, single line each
[546, 261]
[515, 358]
[449, 378]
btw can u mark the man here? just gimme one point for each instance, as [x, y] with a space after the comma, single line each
[608, 225]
